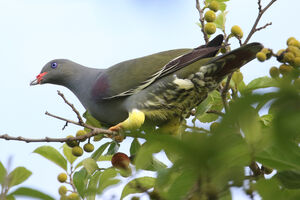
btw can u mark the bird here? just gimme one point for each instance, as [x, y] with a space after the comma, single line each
[159, 89]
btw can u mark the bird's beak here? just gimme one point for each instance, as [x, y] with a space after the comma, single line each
[38, 79]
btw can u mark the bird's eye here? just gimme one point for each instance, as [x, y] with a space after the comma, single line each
[53, 65]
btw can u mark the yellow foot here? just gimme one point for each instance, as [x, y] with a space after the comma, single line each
[116, 128]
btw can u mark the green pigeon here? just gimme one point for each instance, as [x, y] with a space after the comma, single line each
[159, 89]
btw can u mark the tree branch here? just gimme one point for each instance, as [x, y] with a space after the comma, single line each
[72, 106]
[94, 132]
[260, 13]
[201, 19]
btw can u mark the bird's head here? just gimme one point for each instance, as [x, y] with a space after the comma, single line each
[56, 71]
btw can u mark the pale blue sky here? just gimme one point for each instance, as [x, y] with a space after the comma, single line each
[99, 34]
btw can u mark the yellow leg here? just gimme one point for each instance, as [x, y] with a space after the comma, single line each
[135, 120]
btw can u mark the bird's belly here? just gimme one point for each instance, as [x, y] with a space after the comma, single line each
[176, 97]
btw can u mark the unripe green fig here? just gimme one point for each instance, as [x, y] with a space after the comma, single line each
[210, 16]
[294, 42]
[285, 69]
[274, 72]
[237, 31]
[290, 39]
[81, 133]
[210, 28]
[77, 151]
[62, 190]
[297, 62]
[62, 177]
[268, 52]
[72, 143]
[214, 5]
[288, 57]
[261, 56]
[88, 147]
[120, 161]
[73, 196]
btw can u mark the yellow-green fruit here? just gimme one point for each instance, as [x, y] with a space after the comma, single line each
[268, 52]
[73, 196]
[293, 50]
[261, 56]
[290, 39]
[210, 28]
[285, 69]
[279, 52]
[81, 133]
[62, 177]
[214, 126]
[237, 31]
[297, 83]
[237, 77]
[295, 43]
[297, 62]
[88, 147]
[288, 57]
[62, 190]
[72, 143]
[77, 151]
[214, 5]
[210, 16]
[274, 72]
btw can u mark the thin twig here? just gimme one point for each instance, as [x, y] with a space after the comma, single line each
[80, 120]
[260, 13]
[224, 92]
[201, 19]
[94, 132]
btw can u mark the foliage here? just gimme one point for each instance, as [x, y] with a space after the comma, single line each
[252, 144]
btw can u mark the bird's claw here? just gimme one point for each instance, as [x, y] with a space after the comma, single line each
[116, 128]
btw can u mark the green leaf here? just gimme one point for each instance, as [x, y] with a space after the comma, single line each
[266, 119]
[274, 157]
[113, 148]
[222, 6]
[100, 151]
[2, 173]
[262, 82]
[182, 185]
[105, 158]
[18, 176]
[10, 197]
[68, 153]
[135, 146]
[213, 102]
[93, 185]
[269, 189]
[144, 158]
[80, 180]
[289, 179]
[32, 193]
[221, 20]
[90, 165]
[90, 120]
[107, 179]
[53, 155]
[132, 187]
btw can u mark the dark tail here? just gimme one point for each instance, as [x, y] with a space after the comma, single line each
[235, 59]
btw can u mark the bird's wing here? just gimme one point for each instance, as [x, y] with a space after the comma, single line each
[132, 76]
